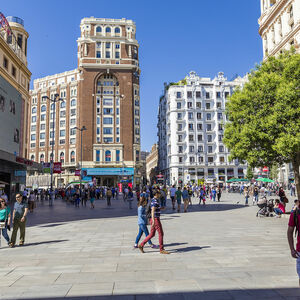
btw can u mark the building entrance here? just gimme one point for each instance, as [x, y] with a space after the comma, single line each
[108, 181]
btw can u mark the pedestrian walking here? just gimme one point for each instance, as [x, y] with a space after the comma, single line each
[190, 192]
[247, 195]
[5, 217]
[155, 224]
[185, 197]
[178, 198]
[130, 198]
[142, 222]
[108, 197]
[219, 193]
[19, 221]
[31, 201]
[92, 197]
[172, 195]
[214, 194]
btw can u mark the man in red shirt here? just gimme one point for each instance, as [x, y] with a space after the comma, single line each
[294, 222]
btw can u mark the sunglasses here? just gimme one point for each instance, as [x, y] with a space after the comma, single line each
[2, 201]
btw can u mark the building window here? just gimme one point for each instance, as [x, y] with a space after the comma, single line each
[222, 160]
[62, 104]
[220, 137]
[42, 158]
[62, 157]
[208, 117]
[189, 104]
[207, 105]
[107, 155]
[43, 117]
[117, 54]
[33, 137]
[33, 119]
[218, 94]
[221, 148]
[32, 157]
[189, 94]
[180, 159]
[107, 111]
[199, 137]
[210, 159]
[180, 149]
[178, 95]
[220, 127]
[107, 139]
[33, 127]
[180, 138]
[227, 94]
[209, 149]
[191, 149]
[97, 155]
[72, 141]
[72, 131]
[190, 116]
[107, 120]
[198, 105]
[191, 138]
[192, 159]
[207, 95]
[98, 29]
[62, 133]
[200, 148]
[199, 126]
[62, 123]
[42, 135]
[199, 116]
[208, 127]
[98, 54]
[73, 122]
[72, 156]
[73, 102]
[43, 108]
[219, 104]
[107, 45]
[179, 116]
[117, 30]
[107, 130]
[178, 105]
[200, 160]
[5, 62]
[33, 111]
[13, 71]
[220, 116]
[62, 142]
[191, 127]
[107, 29]
[198, 94]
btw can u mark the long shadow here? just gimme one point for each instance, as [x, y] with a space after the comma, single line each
[61, 211]
[45, 242]
[235, 294]
[189, 249]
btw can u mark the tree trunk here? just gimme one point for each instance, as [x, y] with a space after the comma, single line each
[296, 165]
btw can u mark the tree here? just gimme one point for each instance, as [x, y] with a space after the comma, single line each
[264, 115]
[249, 174]
[274, 172]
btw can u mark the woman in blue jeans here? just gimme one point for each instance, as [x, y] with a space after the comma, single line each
[142, 222]
[5, 218]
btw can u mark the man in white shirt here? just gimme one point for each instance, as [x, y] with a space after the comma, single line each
[172, 195]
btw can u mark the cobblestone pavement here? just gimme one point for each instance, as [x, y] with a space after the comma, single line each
[221, 251]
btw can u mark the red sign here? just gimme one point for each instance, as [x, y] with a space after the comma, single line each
[160, 176]
[77, 172]
[57, 167]
[24, 161]
[265, 169]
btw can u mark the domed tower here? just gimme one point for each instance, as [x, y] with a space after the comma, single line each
[19, 37]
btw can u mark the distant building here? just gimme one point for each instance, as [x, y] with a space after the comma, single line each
[279, 25]
[102, 94]
[151, 164]
[143, 172]
[190, 131]
[14, 105]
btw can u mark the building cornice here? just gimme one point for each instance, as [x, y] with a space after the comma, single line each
[270, 14]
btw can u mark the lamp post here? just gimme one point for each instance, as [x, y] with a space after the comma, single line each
[81, 130]
[53, 101]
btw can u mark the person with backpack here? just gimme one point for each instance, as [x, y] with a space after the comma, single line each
[108, 196]
[142, 222]
[155, 224]
[293, 225]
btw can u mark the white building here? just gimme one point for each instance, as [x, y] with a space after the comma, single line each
[190, 131]
[279, 25]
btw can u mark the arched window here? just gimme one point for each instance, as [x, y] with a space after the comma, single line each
[107, 29]
[33, 110]
[73, 156]
[32, 157]
[62, 104]
[117, 30]
[42, 158]
[73, 102]
[98, 29]
[107, 155]
[43, 108]
[62, 157]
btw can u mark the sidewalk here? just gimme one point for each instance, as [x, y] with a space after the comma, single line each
[221, 251]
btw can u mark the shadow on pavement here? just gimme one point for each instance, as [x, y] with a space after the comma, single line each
[45, 242]
[274, 294]
[189, 249]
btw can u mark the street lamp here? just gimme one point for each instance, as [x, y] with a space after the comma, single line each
[81, 130]
[56, 99]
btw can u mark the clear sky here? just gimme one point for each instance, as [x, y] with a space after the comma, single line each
[175, 37]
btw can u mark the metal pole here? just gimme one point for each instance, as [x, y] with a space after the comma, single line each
[52, 154]
[81, 162]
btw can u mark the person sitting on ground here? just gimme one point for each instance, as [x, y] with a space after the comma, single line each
[279, 208]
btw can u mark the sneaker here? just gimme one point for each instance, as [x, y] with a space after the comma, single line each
[141, 248]
[11, 245]
[21, 244]
[135, 246]
[154, 246]
[164, 252]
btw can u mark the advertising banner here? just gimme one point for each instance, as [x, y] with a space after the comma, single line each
[57, 167]
[47, 168]
[77, 172]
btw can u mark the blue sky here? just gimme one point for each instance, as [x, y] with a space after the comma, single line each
[175, 37]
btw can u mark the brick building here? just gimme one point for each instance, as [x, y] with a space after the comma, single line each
[102, 94]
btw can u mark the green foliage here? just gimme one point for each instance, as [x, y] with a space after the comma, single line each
[249, 174]
[264, 116]
[274, 172]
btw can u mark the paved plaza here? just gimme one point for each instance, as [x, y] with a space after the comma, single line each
[221, 251]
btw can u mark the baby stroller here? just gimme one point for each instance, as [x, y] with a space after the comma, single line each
[265, 207]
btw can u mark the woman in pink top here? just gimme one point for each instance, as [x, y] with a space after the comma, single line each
[279, 208]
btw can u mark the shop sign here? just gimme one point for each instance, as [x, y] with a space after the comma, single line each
[77, 172]
[20, 173]
[57, 167]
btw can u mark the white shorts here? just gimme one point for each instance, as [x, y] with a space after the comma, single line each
[298, 265]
